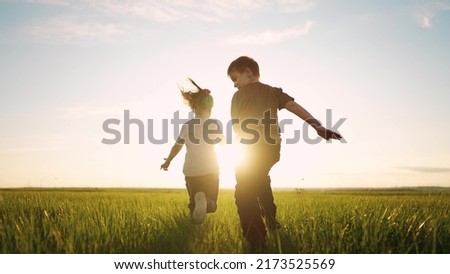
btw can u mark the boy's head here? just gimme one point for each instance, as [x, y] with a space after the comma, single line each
[243, 70]
[242, 63]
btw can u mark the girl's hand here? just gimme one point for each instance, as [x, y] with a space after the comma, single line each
[166, 165]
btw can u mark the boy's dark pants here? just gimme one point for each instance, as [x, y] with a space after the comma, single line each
[253, 194]
[209, 184]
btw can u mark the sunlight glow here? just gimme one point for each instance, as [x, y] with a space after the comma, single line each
[229, 155]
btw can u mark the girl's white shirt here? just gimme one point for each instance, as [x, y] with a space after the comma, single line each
[198, 135]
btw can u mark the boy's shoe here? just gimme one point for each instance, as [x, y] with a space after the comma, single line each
[274, 225]
[259, 247]
[199, 212]
[211, 206]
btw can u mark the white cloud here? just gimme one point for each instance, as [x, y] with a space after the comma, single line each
[108, 20]
[294, 6]
[427, 13]
[218, 10]
[426, 169]
[166, 10]
[153, 10]
[424, 18]
[50, 2]
[270, 36]
[178, 10]
[69, 30]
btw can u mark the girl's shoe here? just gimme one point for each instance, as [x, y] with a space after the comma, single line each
[199, 212]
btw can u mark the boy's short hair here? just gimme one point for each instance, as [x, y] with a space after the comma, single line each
[242, 63]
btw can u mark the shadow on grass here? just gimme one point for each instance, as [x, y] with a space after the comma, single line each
[174, 238]
[281, 242]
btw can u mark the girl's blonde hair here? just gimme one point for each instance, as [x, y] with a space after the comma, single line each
[200, 101]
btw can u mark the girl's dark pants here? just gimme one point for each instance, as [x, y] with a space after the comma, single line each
[253, 194]
[209, 184]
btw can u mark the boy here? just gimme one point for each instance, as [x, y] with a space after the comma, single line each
[254, 112]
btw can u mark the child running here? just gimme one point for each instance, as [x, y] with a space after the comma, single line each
[200, 168]
[256, 104]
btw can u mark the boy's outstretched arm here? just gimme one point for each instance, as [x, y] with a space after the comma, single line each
[173, 152]
[298, 110]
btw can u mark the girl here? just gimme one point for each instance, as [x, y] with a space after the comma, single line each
[200, 168]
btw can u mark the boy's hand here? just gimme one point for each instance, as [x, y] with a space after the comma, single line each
[166, 165]
[328, 134]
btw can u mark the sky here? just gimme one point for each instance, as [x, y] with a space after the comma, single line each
[376, 71]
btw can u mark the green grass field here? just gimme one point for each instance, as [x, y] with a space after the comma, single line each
[156, 221]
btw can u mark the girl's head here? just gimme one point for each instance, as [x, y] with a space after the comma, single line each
[201, 102]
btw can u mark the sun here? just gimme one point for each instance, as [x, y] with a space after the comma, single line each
[229, 155]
